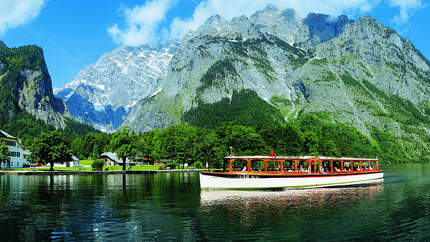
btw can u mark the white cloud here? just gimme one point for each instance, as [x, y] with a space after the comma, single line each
[18, 12]
[407, 8]
[142, 23]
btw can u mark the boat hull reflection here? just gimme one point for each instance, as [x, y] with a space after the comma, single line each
[221, 196]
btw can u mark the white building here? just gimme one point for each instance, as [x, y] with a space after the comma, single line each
[18, 151]
[75, 162]
[112, 159]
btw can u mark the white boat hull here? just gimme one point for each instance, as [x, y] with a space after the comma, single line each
[255, 182]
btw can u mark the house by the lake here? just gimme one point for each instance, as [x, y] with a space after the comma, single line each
[17, 151]
[74, 162]
[112, 159]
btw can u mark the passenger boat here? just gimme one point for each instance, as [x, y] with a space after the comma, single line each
[292, 172]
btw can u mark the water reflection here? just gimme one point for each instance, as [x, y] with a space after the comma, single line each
[318, 195]
[251, 207]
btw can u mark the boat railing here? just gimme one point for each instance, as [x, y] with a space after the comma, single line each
[304, 165]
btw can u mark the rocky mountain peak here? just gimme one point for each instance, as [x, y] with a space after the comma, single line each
[215, 20]
[270, 11]
[27, 85]
[285, 24]
[102, 93]
[214, 25]
[324, 27]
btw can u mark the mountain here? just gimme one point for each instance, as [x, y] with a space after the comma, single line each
[360, 73]
[26, 86]
[27, 103]
[101, 94]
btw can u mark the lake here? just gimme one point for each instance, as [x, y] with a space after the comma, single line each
[172, 207]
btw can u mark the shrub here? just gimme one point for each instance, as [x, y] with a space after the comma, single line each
[171, 165]
[198, 165]
[98, 165]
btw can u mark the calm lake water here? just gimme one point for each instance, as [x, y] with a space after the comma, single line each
[172, 207]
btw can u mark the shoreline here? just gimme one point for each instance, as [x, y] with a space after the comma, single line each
[93, 172]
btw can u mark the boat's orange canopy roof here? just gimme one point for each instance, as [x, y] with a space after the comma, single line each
[301, 158]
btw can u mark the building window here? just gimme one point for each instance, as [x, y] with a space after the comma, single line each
[15, 154]
[8, 143]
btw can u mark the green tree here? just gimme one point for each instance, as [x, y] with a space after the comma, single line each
[209, 148]
[123, 143]
[4, 155]
[100, 143]
[183, 139]
[327, 147]
[97, 165]
[145, 145]
[78, 148]
[310, 143]
[284, 140]
[49, 148]
[244, 140]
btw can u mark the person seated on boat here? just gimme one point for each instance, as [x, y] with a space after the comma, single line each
[358, 169]
[322, 170]
[337, 169]
[309, 170]
[244, 168]
[301, 169]
[325, 169]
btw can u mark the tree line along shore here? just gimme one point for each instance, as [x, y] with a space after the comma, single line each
[310, 134]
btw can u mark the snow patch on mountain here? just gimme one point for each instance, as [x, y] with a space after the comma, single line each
[103, 93]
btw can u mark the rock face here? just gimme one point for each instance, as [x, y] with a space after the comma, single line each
[101, 94]
[360, 72]
[26, 85]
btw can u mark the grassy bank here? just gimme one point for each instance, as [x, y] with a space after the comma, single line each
[83, 168]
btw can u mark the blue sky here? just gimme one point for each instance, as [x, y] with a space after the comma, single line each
[74, 34]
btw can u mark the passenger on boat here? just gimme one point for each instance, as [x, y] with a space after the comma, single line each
[337, 169]
[244, 168]
[301, 169]
[309, 170]
[358, 169]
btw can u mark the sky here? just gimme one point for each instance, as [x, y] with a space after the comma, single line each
[75, 34]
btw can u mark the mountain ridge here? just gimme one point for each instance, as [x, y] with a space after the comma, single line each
[94, 96]
[360, 72]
